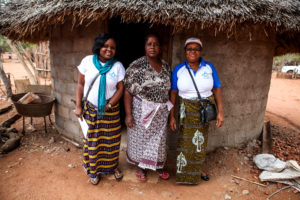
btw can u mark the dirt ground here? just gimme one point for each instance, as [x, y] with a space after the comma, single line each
[283, 102]
[47, 167]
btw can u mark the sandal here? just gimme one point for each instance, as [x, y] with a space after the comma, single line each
[118, 175]
[95, 181]
[163, 174]
[141, 175]
[204, 177]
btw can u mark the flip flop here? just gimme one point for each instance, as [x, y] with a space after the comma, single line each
[118, 175]
[95, 181]
[205, 177]
[163, 175]
[141, 175]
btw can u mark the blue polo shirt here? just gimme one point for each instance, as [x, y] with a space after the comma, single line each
[206, 78]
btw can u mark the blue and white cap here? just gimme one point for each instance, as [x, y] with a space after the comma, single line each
[193, 40]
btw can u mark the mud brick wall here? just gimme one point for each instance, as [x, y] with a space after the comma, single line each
[244, 65]
[67, 48]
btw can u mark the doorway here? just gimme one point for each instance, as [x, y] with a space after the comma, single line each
[131, 38]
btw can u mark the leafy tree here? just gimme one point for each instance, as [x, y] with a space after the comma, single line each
[287, 59]
[3, 45]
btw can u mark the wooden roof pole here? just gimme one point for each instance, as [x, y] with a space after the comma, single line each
[20, 57]
[36, 75]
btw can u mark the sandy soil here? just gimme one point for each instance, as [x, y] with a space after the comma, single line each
[43, 169]
[284, 102]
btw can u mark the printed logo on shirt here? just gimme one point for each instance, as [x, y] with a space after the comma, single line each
[113, 75]
[205, 75]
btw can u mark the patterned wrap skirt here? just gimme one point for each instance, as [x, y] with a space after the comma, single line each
[192, 142]
[102, 144]
[147, 148]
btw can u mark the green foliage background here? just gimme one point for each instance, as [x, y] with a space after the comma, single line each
[287, 59]
[5, 47]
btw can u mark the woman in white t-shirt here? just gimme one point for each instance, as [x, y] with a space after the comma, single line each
[192, 132]
[100, 80]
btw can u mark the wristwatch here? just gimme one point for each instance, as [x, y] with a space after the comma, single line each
[109, 105]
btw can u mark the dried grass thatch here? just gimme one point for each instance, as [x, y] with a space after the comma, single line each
[21, 19]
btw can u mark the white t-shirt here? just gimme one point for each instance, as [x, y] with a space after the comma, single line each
[206, 79]
[113, 76]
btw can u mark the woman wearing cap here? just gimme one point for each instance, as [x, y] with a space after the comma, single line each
[147, 85]
[191, 154]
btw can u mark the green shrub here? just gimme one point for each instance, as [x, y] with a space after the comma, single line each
[4, 47]
[287, 59]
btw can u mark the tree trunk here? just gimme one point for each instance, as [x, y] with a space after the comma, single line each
[11, 120]
[5, 109]
[5, 80]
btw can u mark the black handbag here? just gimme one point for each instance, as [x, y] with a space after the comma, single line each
[208, 110]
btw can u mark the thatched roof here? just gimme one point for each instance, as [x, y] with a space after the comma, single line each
[21, 19]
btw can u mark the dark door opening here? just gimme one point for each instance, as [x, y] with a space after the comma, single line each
[131, 38]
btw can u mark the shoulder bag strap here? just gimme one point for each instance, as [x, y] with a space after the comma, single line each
[90, 87]
[92, 83]
[198, 93]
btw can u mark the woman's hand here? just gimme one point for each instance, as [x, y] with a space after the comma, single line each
[129, 121]
[128, 108]
[78, 112]
[220, 120]
[107, 108]
[219, 102]
[172, 123]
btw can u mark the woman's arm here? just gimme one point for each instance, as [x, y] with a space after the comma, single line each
[118, 94]
[128, 108]
[172, 122]
[219, 102]
[79, 95]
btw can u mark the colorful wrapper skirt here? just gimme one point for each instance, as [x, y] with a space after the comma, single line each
[192, 142]
[102, 144]
[146, 147]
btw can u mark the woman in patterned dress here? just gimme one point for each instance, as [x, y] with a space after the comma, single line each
[101, 110]
[147, 85]
[192, 133]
